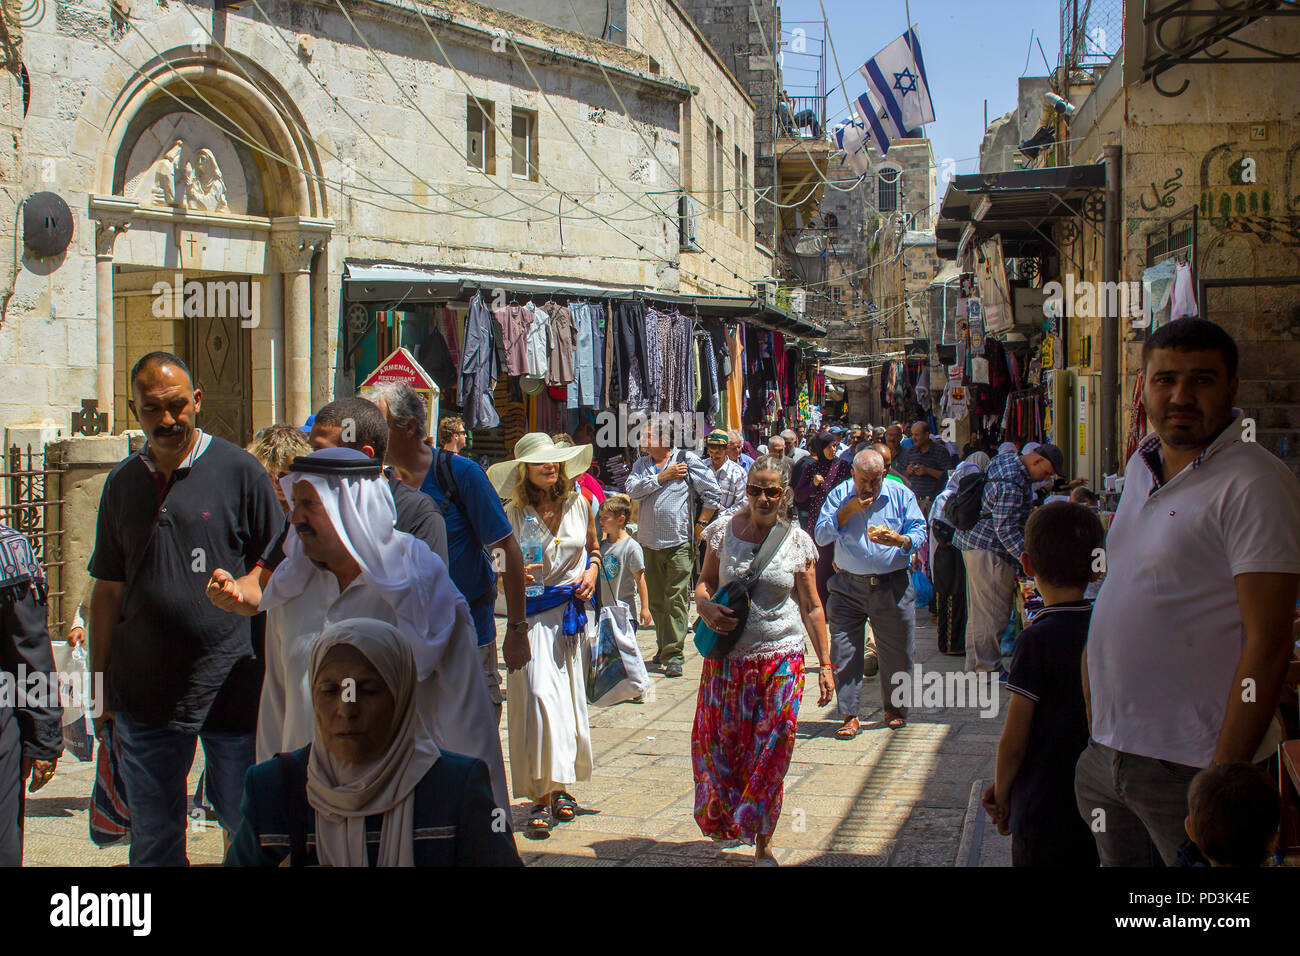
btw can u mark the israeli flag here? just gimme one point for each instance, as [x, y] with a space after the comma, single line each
[897, 99]
[853, 139]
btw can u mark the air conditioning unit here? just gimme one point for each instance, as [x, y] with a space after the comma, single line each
[688, 213]
[765, 289]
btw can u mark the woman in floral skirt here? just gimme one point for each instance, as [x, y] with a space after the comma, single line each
[748, 705]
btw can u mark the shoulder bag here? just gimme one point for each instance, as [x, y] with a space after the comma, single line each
[734, 595]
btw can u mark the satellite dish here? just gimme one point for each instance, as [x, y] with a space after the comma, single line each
[47, 225]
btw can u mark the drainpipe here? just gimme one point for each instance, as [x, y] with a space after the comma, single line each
[1109, 404]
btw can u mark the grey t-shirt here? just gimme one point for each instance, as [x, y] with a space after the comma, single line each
[620, 563]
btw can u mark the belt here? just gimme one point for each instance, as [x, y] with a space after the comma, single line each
[875, 580]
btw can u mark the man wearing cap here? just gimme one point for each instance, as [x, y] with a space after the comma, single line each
[344, 558]
[662, 481]
[729, 475]
[992, 549]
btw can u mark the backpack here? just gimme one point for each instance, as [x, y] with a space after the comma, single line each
[963, 507]
[451, 496]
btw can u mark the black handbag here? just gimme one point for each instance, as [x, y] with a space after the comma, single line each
[734, 595]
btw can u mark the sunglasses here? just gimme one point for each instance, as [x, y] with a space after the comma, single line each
[771, 493]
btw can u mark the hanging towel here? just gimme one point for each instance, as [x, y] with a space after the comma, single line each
[1184, 294]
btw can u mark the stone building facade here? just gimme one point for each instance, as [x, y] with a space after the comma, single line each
[1211, 176]
[226, 172]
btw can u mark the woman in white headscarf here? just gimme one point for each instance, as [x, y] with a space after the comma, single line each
[371, 769]
[948, 571]
[546, 700]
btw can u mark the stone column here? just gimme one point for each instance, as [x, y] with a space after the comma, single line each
[295, 254]
[111, 220]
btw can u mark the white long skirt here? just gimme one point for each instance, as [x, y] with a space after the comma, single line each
[546, 706]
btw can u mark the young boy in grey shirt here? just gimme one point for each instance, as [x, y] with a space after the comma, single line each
[622, 561]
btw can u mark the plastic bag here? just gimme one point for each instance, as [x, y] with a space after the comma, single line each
[615, 671]
[73, 665]
[923, 590]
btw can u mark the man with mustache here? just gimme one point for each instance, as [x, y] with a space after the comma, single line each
[177, 669]
[1191, 632]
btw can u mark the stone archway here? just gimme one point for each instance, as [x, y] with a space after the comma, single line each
[210, 210]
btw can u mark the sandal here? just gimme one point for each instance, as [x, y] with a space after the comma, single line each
[563, 807]
[895, 721]
[845, 733]
[539, 822]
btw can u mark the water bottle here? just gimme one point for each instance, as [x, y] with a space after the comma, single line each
[532, 540]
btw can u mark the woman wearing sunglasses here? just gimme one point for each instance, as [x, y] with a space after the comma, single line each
[748, 706]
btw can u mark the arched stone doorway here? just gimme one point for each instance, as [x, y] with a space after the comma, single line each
[210, 213]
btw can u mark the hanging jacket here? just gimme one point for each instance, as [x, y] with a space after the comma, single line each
[480, 366]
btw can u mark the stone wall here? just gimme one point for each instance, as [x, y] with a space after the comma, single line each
[726, 225]
[736, 29]
[1185, 152]
[386, 136]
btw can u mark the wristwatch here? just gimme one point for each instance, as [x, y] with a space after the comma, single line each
[517, 626]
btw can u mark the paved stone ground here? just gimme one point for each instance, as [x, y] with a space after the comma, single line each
[888, 798]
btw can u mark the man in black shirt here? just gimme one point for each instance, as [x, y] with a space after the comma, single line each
[176, 667]
[925, 465]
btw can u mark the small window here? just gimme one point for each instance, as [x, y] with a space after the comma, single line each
[523, 143]
[480, 135]
[887, 190]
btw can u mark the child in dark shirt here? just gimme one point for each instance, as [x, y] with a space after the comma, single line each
[1046, 727]
[1233, 814]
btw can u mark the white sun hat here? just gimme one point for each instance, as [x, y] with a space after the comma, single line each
[536, 448]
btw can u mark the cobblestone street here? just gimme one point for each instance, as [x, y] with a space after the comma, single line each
[888, 798]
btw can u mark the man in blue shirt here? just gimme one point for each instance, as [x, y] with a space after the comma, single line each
[876, 526]
[476, 523]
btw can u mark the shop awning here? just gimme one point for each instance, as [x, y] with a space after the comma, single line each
[845, 373]
[392, 283]
[1020, 205]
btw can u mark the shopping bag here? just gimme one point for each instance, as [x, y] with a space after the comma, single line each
[73, 666]
[110, 820]
[923, 591]
[615, 671]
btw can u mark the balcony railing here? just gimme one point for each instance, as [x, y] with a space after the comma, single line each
[801, 117]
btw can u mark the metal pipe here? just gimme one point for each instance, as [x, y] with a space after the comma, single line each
[1109, 399]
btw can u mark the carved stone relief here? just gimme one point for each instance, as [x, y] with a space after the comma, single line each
[182, 160]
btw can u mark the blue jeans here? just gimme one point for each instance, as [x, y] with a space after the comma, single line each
[155, 764]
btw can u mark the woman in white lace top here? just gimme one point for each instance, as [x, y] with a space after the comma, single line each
[748, 706]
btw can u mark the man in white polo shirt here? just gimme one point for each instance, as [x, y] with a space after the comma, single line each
[1191, 633]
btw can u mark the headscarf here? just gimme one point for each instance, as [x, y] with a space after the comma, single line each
[431, 614]
[1007, 448]
[978, 458]
[343, 794]
[398, 565]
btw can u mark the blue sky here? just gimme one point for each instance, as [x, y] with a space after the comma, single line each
[973, 49]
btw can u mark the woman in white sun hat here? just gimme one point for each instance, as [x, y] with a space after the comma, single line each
[546, 701]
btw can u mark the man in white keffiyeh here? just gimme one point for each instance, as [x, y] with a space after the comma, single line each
[345, 559]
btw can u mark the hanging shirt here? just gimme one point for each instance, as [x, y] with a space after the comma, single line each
[514, 321]
[535, 346]
[560, 346]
